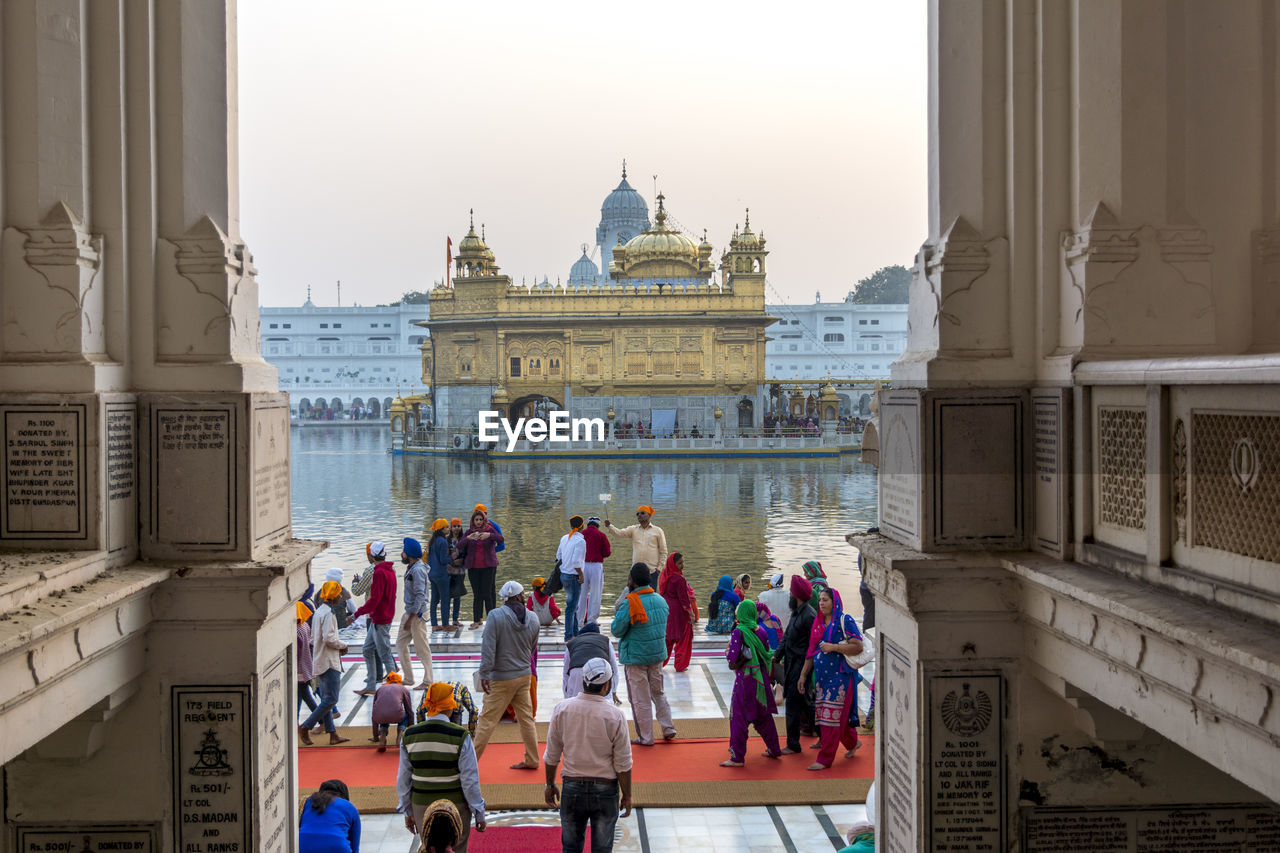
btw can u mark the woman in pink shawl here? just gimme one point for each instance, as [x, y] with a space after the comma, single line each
[833, 636]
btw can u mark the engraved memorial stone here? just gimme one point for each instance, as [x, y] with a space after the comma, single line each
[194, 449]
[122, 474]
[134, 838]
[1168, 829]
[897, 748]
[966, 765]
[211, 788]
[44, 473]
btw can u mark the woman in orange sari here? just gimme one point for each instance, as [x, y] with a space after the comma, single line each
[682, 611]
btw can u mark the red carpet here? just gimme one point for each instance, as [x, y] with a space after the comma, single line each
[527, 839]
[684, 760]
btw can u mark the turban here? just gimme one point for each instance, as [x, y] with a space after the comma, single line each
[594, 521]
[801, 588]
[440, 699]
[394, 678]
[576, 522]
[438, 524]
[412, 547]
[775, 582]
[333, 575]
[456, 521]
[481, 508]
[510, 589]
[539, 582]
[331, 591]
[645, 508]
[304, 612]
[375, 549]
[596, 671]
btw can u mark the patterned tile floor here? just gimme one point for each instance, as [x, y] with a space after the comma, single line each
[700, 691]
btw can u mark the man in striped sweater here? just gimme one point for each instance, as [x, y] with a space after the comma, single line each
[438, 761]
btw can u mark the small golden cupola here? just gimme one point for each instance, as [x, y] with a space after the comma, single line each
[660, 252]
[746, 250]
[474, 257]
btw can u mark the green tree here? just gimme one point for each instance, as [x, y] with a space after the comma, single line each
[413, 297]
[885, 286]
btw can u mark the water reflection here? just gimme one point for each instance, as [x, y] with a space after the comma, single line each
[725, 516]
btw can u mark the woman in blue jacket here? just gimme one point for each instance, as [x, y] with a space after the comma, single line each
[329, 823]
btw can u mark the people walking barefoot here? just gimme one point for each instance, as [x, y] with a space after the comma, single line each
[833, 636]
[752, 703]
[413, 624]
[326, 663]
[506, 653]
[640, 624]
[681, 615]
[380, 607]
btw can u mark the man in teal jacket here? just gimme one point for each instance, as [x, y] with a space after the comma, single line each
[640, 624]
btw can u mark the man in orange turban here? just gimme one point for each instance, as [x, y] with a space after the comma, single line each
[326, 659]
[648, 542]
[438, 760]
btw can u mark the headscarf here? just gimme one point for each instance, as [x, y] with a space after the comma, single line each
[775, 582]
[801, 588]
[510, 589]
[412, 548]
[330, 591]
[375, 549]
[575, 523]
[480, 508]
[635, 607]
[590, 628]
[304, 612]
[645, 508]
[440, 810]
[668, 571]
[394, 678]
[813, 570]
[826, 632]
[746, 617]
[438, 524]
[539, 583]
[725, 585]
[454, 521]
[333, 575]
[440, 699]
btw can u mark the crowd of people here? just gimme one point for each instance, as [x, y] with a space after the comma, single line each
[793, 647]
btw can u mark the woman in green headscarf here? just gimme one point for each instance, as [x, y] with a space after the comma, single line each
[752, 704]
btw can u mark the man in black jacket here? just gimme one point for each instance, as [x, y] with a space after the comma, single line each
[792, 652]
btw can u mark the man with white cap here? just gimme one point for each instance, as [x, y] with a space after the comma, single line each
[777, 599]
[341, 608]
[381, 610]
[591, 736]
[506, 661]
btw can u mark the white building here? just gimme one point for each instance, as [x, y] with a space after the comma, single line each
[841, 339]
[338, 359]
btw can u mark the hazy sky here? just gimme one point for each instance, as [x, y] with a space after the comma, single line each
[367, 131]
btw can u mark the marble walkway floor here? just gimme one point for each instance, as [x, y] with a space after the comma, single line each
[701, 691]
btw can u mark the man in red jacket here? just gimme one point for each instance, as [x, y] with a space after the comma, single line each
[381, 610]
[593, 571]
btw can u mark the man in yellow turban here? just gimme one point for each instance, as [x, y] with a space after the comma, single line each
[438, 761]
[326, 664]
[648, 542]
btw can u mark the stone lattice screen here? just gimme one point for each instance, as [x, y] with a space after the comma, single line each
[1235, 483]
[1122, 450]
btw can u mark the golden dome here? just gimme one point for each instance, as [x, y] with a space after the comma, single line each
[747, 239]
[661, 243]
[472, 244]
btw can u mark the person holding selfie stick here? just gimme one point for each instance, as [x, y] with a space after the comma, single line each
[648, 542]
